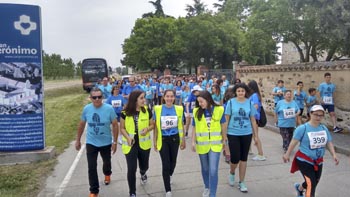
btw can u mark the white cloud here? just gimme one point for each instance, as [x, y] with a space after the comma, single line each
[80, 29]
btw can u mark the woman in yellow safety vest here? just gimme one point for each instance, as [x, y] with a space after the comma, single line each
[136, 124]
[168, 135]
[208, 138]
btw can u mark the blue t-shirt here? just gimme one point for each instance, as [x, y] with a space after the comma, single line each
[192, 101]
[286, 113]
[326, 92]
[154, 86]
[207, 114]
[148, 92]
[184, 96]
[164, 113]
[309, 100]
[254, 98]
[308, 141]
[204, 84]
[168, 86]
[128, 89]
[217, 98]
[300, 99]
[240, 113]
[278, 89]
[117, 103]
[225, 85]
[98, 124]
[106, 90]
[178, 92]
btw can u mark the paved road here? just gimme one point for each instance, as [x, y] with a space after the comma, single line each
[264, 178]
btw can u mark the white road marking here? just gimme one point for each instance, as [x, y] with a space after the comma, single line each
[69, 174]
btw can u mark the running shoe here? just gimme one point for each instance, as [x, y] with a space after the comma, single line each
[259, 158]
[206, 192]
[299, 193]
[107, 180]
[168, 194]
[231, 180]
[337, 129]
[242, 187]
[143, 179]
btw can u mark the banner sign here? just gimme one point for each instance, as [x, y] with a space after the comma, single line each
[21, 94]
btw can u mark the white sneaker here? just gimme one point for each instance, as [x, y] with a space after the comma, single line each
[206, 192]
[259, 158]
[168, 194]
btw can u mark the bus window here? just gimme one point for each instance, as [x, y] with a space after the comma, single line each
[93, 70]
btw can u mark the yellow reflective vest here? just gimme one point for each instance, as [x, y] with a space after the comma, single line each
[208, 134]
[143, 122]
[179, 113]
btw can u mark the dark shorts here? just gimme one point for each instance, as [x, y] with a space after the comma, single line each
[329, 108]
[301, 112]
[118, 117]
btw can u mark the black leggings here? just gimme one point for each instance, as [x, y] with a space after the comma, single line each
[168, 154]
[136, 153]
[239, 147]
[91, 154]
[311, 177]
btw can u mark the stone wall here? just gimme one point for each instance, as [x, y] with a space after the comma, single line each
[311, 74]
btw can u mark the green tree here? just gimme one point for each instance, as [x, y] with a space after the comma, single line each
[196, 9]
[153, 44]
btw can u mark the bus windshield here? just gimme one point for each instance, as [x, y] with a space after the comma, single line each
[93, 70]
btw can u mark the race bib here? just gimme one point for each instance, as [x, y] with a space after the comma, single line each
[168, 122]
[328, 100]
[193, 105]
[154, 87]
[289, 113]
[149, 92]
[224, 83]
[317, 139]
[208, 120]
[178, 92]
[116, 103]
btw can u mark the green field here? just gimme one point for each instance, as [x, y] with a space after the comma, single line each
[62, 113]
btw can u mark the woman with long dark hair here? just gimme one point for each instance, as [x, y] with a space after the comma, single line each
[255, 98]
[136, 124]
[208, 137]
[242, 128]
[168, 135]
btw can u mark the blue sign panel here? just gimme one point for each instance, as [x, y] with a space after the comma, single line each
[21, 94]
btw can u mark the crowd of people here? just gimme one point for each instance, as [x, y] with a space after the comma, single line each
[223, 119]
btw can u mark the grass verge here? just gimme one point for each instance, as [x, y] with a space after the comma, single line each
[62, 113]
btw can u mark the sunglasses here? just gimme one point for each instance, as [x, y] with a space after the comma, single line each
[96, 97]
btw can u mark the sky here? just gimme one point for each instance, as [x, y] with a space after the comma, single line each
[81, 29]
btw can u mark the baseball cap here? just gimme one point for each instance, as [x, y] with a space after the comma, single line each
[316, 108]
[197, 88]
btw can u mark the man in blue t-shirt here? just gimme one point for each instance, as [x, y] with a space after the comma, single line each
[98, 117]
[300, 98]
[105, 87]
[129, 88]
[326, 91]
[278, 91]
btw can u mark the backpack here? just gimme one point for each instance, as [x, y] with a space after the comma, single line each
[263, 120]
